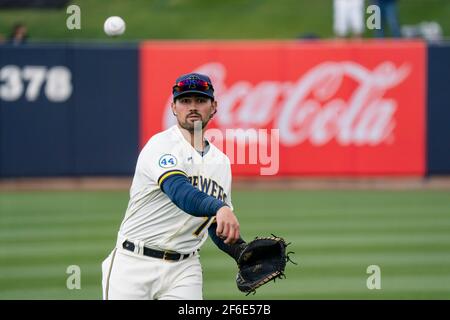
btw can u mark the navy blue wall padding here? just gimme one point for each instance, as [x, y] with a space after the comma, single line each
[438, 111]
[93, 132]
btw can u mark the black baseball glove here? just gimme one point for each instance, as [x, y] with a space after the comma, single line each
[260, 261]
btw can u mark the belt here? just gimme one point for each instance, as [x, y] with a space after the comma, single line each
[165, 255]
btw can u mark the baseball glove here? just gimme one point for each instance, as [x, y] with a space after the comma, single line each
[260, 261]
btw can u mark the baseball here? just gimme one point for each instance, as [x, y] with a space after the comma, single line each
[114, 26]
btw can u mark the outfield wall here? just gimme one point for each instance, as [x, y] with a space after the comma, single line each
[438, 110]
[341, 108]
[372, 108]
[68, 110]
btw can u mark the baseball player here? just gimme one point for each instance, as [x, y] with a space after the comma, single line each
[181, 192]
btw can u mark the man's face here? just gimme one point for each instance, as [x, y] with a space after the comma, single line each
[191, 107]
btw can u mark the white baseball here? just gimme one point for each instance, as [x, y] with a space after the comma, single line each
[114, 26]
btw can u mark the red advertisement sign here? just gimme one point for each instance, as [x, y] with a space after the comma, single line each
[326, 108]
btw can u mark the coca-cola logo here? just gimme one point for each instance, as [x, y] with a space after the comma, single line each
[311, 109]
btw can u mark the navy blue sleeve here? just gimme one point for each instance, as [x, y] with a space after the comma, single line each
[233, 250]
[188, 198]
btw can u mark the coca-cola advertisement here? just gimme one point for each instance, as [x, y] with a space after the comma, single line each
[290, 108]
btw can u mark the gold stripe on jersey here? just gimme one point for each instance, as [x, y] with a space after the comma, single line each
[167, 174]
[202, 226]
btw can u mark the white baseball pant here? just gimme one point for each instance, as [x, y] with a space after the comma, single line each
[131, 276]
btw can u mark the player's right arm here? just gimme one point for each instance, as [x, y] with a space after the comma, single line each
[197, 203]
[161, 160]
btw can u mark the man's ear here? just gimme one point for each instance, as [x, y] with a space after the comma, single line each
[215, 109]
[172, 106]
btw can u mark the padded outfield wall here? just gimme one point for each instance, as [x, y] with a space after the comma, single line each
[372, 108]
[68, 110]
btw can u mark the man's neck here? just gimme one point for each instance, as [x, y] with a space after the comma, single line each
[195, 138]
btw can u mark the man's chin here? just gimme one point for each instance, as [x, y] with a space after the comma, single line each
[190, 125]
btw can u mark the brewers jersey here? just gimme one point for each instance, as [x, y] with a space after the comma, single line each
[151, 216]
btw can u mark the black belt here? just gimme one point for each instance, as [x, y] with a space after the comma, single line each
[165, 255]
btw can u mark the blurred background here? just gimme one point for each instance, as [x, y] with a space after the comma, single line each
[360, 176]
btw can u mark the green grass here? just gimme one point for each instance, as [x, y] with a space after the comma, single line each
[336, 235]
[205, 19]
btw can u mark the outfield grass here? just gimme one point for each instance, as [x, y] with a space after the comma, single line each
[336, 235]
[205, 19]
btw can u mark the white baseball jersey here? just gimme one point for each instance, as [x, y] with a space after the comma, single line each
[151, 216]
